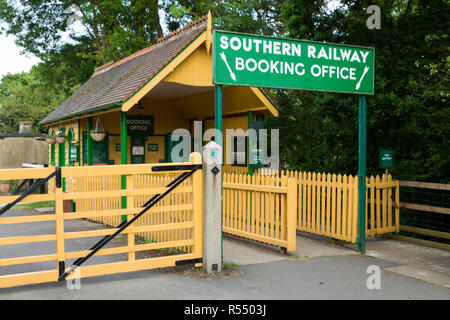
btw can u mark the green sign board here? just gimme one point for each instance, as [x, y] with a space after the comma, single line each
[153, 147]
[387, 159]
[73, 153]
[250, 60]
[139, 125]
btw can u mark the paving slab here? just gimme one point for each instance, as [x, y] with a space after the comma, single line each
[243, 251]
[417, 261]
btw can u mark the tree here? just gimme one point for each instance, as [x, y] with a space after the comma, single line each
[252, 16]
[409, 111]
[24, 98]
[113, 28]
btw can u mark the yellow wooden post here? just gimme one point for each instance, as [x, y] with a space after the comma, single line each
[197, 202]
[59, 213]
[397, 206]
[130, 205]
[291, 216]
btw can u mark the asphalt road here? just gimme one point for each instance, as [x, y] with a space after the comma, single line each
[325, 277]
[341, 277]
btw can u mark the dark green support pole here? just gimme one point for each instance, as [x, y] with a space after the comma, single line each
[123, 157]
[250, 167]
[218, 113]
[362, 174]
[219, 137]
[89, 142]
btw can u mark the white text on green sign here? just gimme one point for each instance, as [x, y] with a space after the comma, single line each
[241, 59]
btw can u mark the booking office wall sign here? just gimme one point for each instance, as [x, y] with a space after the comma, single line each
[250, 60]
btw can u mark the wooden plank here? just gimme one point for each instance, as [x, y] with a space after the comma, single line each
[253, 187]
[425, 185]
[372, 230]
[126, 249]
[25, 173]
[197, 203]
[291, 215]
[420, 241]
[104, 232]
[24, 219]
[27, 259]
[131, 229]
[426, 232]
[328, 191]
[30, 198]
[313, 203]
[422, 207]
[128, 266]
[99, 193]
[120, 212]
[115, 170]
[59, 212]
[257, 237]
[21, 279]
[339, 208]
[27, 239]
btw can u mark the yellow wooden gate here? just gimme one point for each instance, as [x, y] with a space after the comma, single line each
[160, 227]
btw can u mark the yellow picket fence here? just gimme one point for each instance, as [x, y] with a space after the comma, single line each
[382, 205]
[328, 204]
[168, 224]
[260, 208]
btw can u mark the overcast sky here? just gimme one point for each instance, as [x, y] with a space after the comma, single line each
[10, 58]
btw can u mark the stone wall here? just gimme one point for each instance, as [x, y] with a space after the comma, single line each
[17, 150]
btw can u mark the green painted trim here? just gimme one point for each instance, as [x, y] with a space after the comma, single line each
[79, 113]
[270, 100]
[123, 157]
[52, 150]
[89, 142]
[70, 136]
[79, 142]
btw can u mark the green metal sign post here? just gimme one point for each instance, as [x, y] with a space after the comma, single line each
[251, 60]
[362, 174]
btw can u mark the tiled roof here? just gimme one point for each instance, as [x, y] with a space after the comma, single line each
[115, 81]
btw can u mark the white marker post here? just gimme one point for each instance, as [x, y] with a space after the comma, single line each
[212, 207]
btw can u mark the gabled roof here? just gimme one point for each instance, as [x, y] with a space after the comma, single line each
[113, 83]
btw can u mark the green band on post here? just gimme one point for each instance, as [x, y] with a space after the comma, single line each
[123, 157]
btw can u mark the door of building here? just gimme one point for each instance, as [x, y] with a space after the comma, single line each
[137, 145]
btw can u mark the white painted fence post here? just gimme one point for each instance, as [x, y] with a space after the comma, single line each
[212, 207]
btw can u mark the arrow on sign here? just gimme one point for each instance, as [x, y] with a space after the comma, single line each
[364, 73]
[224, 58]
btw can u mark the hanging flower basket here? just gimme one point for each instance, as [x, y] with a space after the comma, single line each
[50, 139]
[60, 136]
[99, 133]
